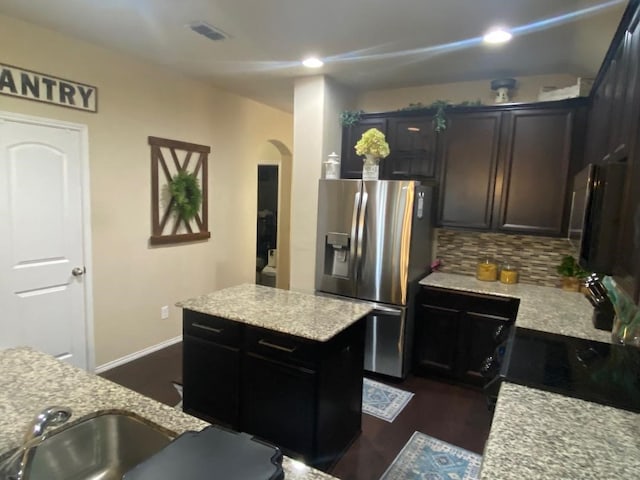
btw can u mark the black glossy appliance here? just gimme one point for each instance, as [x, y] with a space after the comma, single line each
[599, 372]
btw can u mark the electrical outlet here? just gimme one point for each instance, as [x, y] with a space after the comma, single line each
[164, 312]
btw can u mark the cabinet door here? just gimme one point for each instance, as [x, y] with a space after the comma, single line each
[478, 343]
[627, 263]
[469, 156]
[631, 101]
[412, 142]
[350, 163]
[278, 404]
[211, 379]
[436, 344]
[532, 182]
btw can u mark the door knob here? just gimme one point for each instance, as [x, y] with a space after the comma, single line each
[78, 271]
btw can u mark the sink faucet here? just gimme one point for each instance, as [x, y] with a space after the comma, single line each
[13, 468]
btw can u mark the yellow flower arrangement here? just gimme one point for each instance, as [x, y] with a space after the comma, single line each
[373, 143]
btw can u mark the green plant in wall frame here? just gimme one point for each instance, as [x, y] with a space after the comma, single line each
[186, 194]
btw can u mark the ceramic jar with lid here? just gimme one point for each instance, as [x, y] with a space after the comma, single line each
[487, 270]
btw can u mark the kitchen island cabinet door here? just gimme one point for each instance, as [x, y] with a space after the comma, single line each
[211, 381]
[533, 177]
[469, 156]
[412, 142]
[279, 404]
[350, 163]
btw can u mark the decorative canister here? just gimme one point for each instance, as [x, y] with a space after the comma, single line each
[487, 270]
[332, 167]
[508, 274]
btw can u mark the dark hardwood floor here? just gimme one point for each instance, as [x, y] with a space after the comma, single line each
[455, 414]
[152, 374]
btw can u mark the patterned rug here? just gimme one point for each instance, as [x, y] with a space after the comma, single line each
[383, 401]
[427, 458]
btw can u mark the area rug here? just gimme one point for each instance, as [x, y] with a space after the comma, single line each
[383, 401]
[427, 458]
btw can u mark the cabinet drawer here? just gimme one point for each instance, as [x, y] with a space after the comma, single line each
[281, 347]
[499, 307]
[208, 327]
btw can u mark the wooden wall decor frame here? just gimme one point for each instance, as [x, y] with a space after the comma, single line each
[164, 231]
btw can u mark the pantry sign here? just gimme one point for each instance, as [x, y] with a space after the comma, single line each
[18, 82]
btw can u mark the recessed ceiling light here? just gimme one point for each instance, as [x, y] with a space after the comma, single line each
[312, 62]
[497, 35]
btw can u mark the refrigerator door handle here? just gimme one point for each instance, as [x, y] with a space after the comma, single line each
[360, 241]
[354, 233]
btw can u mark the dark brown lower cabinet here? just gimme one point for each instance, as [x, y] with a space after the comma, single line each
[454, 332]
[437, 333]
[218, 399]
[279, 402]
[302, 395]
[477, 344]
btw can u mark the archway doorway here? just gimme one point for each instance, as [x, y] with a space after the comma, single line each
[273, 212]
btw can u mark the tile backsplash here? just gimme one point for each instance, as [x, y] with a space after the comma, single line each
[535, 257]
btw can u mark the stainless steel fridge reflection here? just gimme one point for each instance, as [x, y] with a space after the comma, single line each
[374, 244]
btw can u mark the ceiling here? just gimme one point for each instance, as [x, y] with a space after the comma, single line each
[366, 44]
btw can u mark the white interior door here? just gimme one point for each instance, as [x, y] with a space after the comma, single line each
[43, 278]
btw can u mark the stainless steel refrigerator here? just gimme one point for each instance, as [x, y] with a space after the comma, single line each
[374, 244]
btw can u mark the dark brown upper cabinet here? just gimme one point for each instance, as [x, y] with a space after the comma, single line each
[413, 149]
[500, 167]
[624, 143]
[351, 164]
[533, 178]
[509, 169]
[469, 157]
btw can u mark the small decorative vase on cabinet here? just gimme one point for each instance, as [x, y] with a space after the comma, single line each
[370, 167]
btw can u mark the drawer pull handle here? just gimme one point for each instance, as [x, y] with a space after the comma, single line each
[277, 347]
[207, 328]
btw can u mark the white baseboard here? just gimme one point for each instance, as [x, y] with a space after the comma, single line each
[140, 353]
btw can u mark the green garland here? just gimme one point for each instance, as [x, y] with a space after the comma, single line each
[186, 194]
[350, 117]
[440, 117]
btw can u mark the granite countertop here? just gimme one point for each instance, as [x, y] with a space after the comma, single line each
[305, 315]
[32, 381]
[541, 308]
[543, 435]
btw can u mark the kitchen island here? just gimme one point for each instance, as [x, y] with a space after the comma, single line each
[31, 381]
[285, 366]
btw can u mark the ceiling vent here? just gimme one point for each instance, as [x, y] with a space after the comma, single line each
[208, 31]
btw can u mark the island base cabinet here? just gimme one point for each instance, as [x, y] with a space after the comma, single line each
[302, 395]
[211, 381]
[278, 404]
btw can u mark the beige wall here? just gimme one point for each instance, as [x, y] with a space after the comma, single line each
[131, 280]
[318, 102]
[393, 99]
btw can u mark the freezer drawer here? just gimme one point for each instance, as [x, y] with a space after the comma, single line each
[387, 344]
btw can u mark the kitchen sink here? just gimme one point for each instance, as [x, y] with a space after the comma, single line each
[102, 446]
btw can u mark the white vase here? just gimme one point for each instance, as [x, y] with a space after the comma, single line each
[370, 167]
